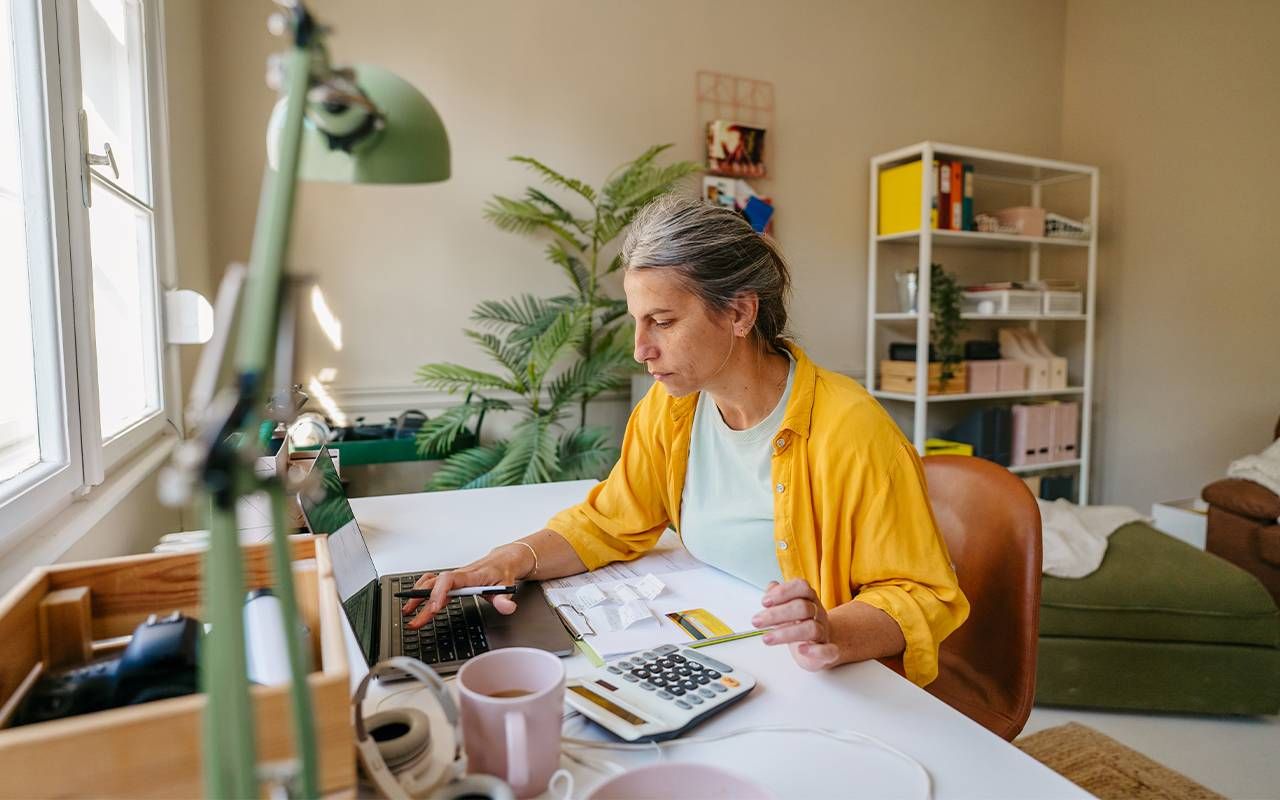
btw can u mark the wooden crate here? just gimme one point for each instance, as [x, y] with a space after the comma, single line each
[154, 749]
[900, 376]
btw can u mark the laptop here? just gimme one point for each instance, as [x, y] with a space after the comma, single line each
[466, 627]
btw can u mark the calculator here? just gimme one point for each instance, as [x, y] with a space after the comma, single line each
[658, 694]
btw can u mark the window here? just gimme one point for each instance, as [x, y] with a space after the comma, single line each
[121, 216]
[81, 247]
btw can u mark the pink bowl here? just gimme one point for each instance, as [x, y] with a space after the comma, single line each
[678, 781]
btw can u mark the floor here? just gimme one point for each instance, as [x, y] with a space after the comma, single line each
[1235, 756]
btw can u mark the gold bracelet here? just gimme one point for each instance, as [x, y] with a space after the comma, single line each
[535, 557]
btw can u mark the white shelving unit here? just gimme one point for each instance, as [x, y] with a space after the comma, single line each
[1021, 173]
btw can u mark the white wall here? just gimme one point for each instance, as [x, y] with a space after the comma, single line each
[585, 86]
[1179, 103]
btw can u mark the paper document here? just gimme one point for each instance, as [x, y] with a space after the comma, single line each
[644, 603]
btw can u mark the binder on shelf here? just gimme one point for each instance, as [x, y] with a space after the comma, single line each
[957, 196]
[1023, 437]
[1066, 431]
[899, 199]
[1053, 487]
[1044, 416]
[944, 194]
[966, 222]
[988, 430]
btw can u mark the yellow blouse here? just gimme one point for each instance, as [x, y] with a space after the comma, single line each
[851, 514]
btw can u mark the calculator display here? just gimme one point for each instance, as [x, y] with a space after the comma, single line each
[612, 708]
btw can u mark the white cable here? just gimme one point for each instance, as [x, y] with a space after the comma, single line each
[851, 737]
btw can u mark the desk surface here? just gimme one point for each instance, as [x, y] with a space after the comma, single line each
[425, 531]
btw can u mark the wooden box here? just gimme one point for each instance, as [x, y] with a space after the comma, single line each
[900, 376]
[154, 749]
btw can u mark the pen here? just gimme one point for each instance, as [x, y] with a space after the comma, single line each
[466, 591]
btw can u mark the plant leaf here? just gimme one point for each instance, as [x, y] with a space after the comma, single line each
[531, 455]
[513, 357]
[551, 176]
[616, 185]
[565, 332]
[455, 378]
[586, 453]
[554, 209]
[470, 469]
[518, 311]
[603, 371]
[572, 266]
[652, 182]
[439, 434]
[522, 216]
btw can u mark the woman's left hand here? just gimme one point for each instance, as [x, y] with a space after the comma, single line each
[798, 620]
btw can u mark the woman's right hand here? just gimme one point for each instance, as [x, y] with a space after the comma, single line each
[502, 566]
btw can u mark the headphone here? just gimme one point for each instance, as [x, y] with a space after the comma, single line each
[406, 752]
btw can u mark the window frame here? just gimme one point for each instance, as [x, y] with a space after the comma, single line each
[47, 72]
[101, 456]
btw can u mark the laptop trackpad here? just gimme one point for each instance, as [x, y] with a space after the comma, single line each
[534, 623]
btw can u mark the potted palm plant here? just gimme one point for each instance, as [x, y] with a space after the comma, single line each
[552, 353]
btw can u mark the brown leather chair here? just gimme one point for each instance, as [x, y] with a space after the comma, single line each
[1243, 527]
[991, 523]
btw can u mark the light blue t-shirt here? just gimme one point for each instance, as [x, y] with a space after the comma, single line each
[726, 510]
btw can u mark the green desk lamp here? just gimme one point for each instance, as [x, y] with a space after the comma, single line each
[361, 126]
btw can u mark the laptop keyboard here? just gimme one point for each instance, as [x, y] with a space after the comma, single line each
[455, 634]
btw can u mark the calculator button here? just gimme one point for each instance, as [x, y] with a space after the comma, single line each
[693, 698]
[666, 663]
[648, 654]
[657, 681]
[640, 673]
[669, 695]
[690, 685]
[693, 665]
[629, 677]
[683, 704]
[708, 661]
[684, 672]
[712, 674]
[648, 687]
[614, 670]
[706, 693]
[717, 687]
[702, 679]
[676, 657]
[730, 682]
[666, 648]
[676, 690]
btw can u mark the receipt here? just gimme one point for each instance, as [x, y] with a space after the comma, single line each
[650, 587]
[624, 593]
[606, 619]
[588, 596]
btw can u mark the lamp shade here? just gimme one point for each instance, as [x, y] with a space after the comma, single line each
[411, 146]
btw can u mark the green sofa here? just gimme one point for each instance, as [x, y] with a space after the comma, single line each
[1160, 626]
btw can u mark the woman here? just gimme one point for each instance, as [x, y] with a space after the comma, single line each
[771, 468]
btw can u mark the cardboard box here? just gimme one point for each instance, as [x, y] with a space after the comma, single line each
[155, 749]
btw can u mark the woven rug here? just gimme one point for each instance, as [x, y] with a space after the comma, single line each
[1103, 767]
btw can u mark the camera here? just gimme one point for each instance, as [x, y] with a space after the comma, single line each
[160, 661]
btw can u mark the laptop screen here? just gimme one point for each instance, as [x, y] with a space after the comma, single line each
[327, 512]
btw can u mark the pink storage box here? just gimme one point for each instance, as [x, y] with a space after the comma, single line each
[1012, 375]
[983, 376]
[1028, 220]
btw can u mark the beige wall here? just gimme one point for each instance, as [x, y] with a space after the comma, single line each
[1179, 104]
[586, 85]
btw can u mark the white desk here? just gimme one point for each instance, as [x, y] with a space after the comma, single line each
[422, 531]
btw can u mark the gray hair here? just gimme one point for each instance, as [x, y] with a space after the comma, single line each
[718, 255]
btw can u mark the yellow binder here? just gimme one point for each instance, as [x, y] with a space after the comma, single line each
[900, 199]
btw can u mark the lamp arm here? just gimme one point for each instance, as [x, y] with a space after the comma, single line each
[230, 768]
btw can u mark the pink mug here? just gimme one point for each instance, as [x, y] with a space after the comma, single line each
[511, 702]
